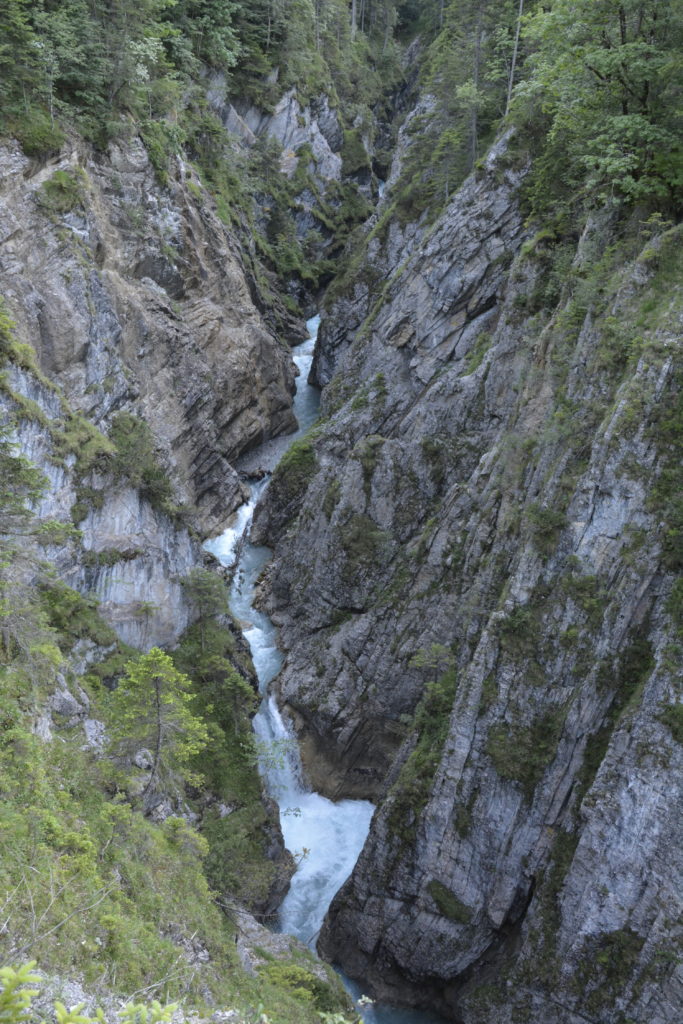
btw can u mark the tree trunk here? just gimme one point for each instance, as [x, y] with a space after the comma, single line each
[514, 56]
[474, 125]
[157, 746]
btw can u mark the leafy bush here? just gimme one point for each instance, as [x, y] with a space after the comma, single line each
[135, 459]
[353, 153]
[304, 985]
[62, 192]
[74, 615]
[38, 136]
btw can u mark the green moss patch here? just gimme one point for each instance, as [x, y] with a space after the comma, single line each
[523, 752]
[63, 192]
[448, 903]
[410, 794]
[365, 545]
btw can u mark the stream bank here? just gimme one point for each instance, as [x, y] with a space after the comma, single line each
[325, 837]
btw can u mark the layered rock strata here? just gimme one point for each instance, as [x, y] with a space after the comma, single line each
[475, 579]
[137, 298]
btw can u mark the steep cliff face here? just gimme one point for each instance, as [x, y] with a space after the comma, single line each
[138, 370]
[386, 241]
[125, 551]
[347, 569]
[137, 299]
[292, 126]
[475, 578]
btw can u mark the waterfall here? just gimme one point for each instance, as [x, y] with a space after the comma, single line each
[325, 837]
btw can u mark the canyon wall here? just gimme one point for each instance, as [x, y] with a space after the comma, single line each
[475, 579]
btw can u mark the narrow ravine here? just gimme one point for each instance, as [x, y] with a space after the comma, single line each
[325, 837]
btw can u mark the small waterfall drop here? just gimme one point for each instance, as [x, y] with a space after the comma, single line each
[325, 837]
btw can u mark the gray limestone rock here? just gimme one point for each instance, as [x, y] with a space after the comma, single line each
[294, 126]
[138, 299]
[484, 483]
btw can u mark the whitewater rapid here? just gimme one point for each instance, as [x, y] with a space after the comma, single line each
[325, 837]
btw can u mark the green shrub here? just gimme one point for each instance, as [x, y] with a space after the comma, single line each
[368, 452]
[62, 192]
[38, 136]
[74, 615]
[411, 791]
[546, 524]
[448, 903]
[587, 592]
[76, 435]
[365, 545]
[305, 986]
[237, 864]
[7, 326]
[292, 476]
[672, 717]
[353, 153]
[607, 962]
[523, 752]
[475, 356]
[161, 141]
[674, 604]
[519, 631]
[135, 459]
[108, 557]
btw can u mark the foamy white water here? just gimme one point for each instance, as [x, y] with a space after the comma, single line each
[325, 837]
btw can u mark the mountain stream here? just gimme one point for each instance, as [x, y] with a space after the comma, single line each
[325, 837]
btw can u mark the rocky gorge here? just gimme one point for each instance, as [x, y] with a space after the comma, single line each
[476, 492]
[476, 548]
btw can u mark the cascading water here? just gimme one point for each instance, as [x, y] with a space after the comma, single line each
[325, 837]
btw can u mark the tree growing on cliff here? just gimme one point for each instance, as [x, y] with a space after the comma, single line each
[434, 660]
[150, 709]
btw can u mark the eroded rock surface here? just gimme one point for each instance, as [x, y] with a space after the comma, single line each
[481, 532]
[137, 298]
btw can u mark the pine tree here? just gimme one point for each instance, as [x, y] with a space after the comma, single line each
[18, 52]
[150, 709]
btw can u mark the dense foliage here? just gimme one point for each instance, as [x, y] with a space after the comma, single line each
[101, 62]
[601, 96]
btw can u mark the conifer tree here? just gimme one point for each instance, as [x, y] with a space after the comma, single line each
[150, 709]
